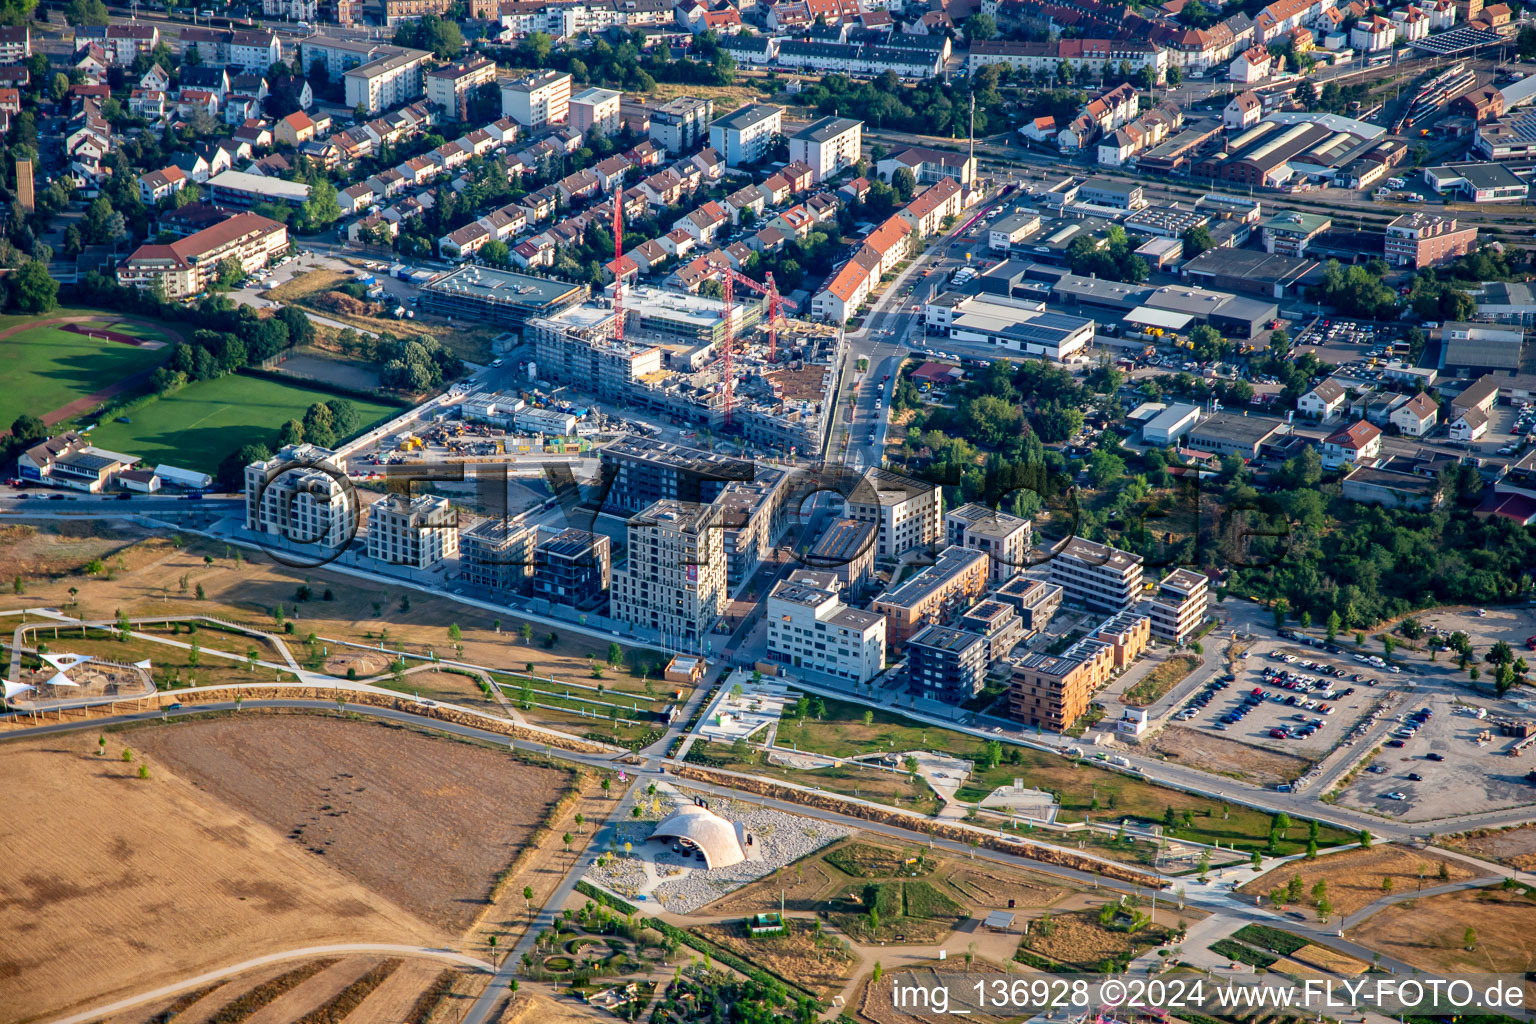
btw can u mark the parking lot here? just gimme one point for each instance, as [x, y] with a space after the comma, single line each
[1350, 344]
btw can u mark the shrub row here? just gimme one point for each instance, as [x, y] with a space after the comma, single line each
[427, 1002]
[335, 1010]
[246, 1004]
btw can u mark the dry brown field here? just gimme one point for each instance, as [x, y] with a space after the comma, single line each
[1354, 876]
[1429, 933]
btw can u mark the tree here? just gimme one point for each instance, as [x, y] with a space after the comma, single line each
[321, 208]
[1386, 884]
[1306, 94]
[27, 428]
[526, 632]
[1196, 241]
[980, 26]
[1365, 839]
[904, 183]
[1324, 909]
[86, 12]
[528, 890]
[1294, 888]
[615, 654]
[1332, 625]
[31, 289]
[454, 633]
[1256, 861]
[1469, 938]
[869, 718]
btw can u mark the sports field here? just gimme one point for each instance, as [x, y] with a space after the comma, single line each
[197, 426]
[52, 367]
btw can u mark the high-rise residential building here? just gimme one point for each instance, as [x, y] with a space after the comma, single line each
[389, 81]
[829, 146]
[496, 554]
[1005, 538]
[597, 109]
[745, 136]
[573, 568]
[846, 549]
[754, 516]
[932, 595]
[418, 531]
[945, 664]
[1180, 604]
[1097, 575]
[682, 124]
[638, 471]
[810, 629]
[906, 512]
[533, 101]
[450, 86]
[298, 495]
[673, 578]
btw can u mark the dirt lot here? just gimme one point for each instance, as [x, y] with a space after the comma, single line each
[425, 822]
[819, 965]
[1354, 876]
[1078, 938]
[874, 1001]
[992, 887]
[1515, 846]
[1429, 933]
[1212, 752]
[533, 1008]
[117, 884]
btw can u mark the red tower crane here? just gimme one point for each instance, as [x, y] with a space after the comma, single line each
[776, 303]
[618, 269]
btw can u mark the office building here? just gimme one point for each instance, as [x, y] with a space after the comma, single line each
[745, 136]
[486, 295]
[496, 554]
[1424, 239]
[187, 266]
[847, 550]
[933, 594]
[1096, 575]
[1179, 607]
[1004, 538]
[536, 100]
[294, 495]
[450, 86]
[389, 81]
[811, 630]
[595, 110]
[573, 569]
[418, 531]
[948, 665]
[681, 125]
[673, 580]
[905, 511]
[829, 146]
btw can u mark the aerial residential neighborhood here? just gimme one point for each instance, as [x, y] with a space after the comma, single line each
[715, 512]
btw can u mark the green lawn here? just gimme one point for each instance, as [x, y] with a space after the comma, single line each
[196, 427]
[1081, 789]
[50, 367]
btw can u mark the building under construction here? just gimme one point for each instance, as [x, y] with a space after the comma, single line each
[671, 362]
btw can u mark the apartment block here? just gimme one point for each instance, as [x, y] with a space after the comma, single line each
[745, 136]
[906, 512]
[417, 531]
[1054, 691]
[847, 550]
[595, 110]
[1036, 601]
[1180, 604]
[945, 664]
[1424, 239]
[185, 267]
[292, 497]
[754, 515]
[1127, 635]
[536, 100]
[1097, 575]
[1005, 538]
[810, 629]
[682, 124]
[450, 86]
[496, 554]
[829, 146]
[998, 622]
[932, 595]
[389, 81]
[573, 568]
[673, 579]
[643, 471]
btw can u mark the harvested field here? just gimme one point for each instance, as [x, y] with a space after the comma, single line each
[1430, 933]
[1354, 876]
[993, 887]
[295, 1004]
[1515, 847]
[162, 881]
[393, 1000]
[1199, 748]
[426, 822]
[532, 1008]
[819, 965]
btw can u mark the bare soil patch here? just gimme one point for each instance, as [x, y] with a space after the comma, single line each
[805, 886]
[1515, 847]
[534, 1008]
[1430, 933]
[874, 1002]
[116, 884]
[1078, 939]
[361, 662]
[1198, 748]
[993, 887]
[1354, 876]
[819, 965]
[426, 822]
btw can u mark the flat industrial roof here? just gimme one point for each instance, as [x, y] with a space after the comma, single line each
[503, 286]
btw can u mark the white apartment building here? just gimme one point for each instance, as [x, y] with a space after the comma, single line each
[449, 86]
[681, 124]
[419, 531]
[536, 100]
[595, 109]
[1005, 538]
[288, 496]
[906, 511]
[810, 629]
[745, 136]
[829, 146]
[1180, 604]
[387, 82]
[1097, 575]
[673, 580]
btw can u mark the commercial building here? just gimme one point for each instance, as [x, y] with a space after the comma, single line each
[1478, 183]
[298, 495]
[1004, 538]
[240, 191]
[1424, 239]
[906, 511]
[1468, 348]
[449, 86]
[418, 531]
[745, 136]
[595, 110]
[1179, 607]
[1231, 434]
[1249, 271]
[933, 594]
[673, 579]
[682, 124]
[389, 81]
[810, 629]
[573, 568]
[496, 554]
[1097, 575]
[533, 101]
[1014, 325]
[1380, 485]
[187, 266]
[945, 664]
[829, 146]
[638, 472]
[486, 295]
[70, 460]
[1170, 425]
[846, 549]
